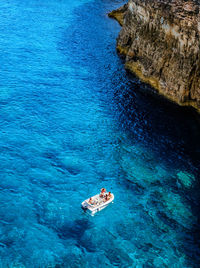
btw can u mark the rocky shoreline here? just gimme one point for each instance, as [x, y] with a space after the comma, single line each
[160, 40]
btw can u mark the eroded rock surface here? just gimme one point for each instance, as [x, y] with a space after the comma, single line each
[161, 42]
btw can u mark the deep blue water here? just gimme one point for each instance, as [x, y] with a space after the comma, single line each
[73, 121]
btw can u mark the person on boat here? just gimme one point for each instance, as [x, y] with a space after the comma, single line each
[102, 193]
[108, 196]
[91, 202]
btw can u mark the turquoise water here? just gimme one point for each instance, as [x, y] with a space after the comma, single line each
[73, 121]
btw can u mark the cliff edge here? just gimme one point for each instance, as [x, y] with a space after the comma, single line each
[161, 43]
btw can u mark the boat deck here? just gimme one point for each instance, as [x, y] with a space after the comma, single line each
[98, 203]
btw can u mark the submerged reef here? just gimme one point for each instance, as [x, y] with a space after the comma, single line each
[160, 40]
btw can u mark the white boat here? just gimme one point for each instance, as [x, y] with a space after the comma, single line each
[98, 203]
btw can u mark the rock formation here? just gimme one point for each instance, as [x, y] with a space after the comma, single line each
[161, 43]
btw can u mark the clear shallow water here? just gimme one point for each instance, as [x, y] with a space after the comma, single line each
[72, 121]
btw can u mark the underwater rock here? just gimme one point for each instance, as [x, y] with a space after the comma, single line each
[161, 43]
[178, 210]
[137, 172]
[185, 178]
[118, 257]
[73, 164]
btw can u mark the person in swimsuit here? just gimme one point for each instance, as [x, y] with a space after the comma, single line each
[91, 202]
[107, 196]
[102, 193]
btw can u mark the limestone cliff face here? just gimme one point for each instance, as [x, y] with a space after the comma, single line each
[161, 42]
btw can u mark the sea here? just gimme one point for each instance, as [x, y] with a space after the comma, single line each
[73, 121]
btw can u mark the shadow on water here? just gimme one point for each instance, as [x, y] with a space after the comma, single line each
[164, 126]
[76, 230]
[172, 133]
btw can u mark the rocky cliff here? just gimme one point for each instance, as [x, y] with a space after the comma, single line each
[161, 43]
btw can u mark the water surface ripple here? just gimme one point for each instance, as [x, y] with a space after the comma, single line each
[73, 121]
